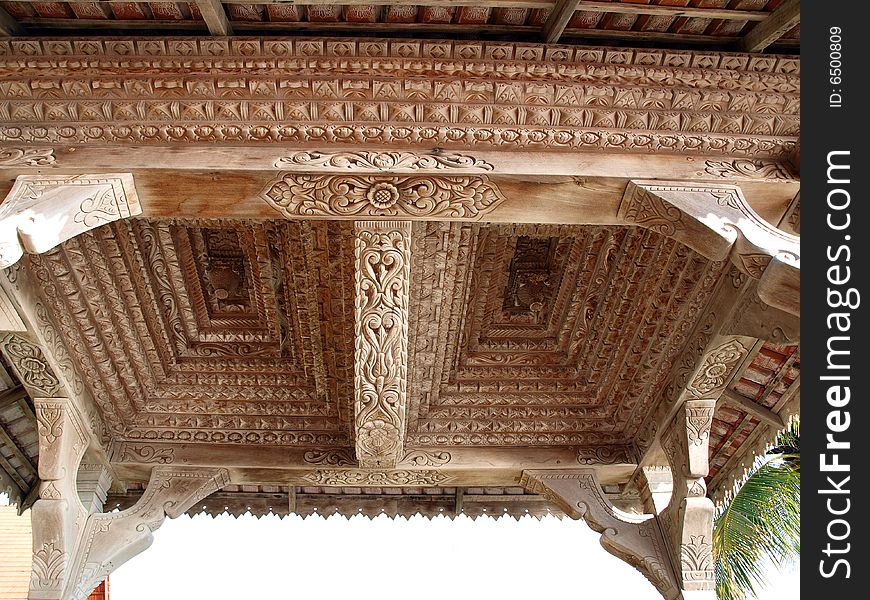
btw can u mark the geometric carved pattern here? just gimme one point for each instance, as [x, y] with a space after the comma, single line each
[420, 93]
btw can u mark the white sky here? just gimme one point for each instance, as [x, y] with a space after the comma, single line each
[381, 559]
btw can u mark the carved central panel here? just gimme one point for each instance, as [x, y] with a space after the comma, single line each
[214, 332]
[546, 335]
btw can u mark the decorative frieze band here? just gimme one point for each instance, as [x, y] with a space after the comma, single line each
[387, 92]
[40, 211]
[383, 269]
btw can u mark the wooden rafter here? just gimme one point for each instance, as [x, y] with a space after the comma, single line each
[558, 20]
[9, 26]
[773, 27]
[756, 410]
[215, 17]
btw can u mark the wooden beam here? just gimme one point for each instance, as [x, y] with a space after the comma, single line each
[9, 26]
[765, 415]
[673, 11]
[215, 17]
[12, 396]
[447, 3]
[558, 20]
[13, 473]
[6, 439]
[773, 27]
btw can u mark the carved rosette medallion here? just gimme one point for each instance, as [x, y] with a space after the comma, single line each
[715, 371]
[31, 366]
[349, 196]
[383, 255]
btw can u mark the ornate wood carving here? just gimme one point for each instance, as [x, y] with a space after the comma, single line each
[383, 266]
[31, 366]
[423, 458]
[32, 157]
[374, 477]
[745, 168]
[717, 221]
[605, 455]
[366, 161]
[40, 212]
[344, 196]
[636, 540]
[420, 93]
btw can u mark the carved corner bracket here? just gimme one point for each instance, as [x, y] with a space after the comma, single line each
[41, 212]
[717, 222]
[636, 540]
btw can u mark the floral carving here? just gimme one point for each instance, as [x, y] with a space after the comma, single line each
[604, 455]
[716, 369]
[747, 168]
[31, 366]
[424, 458]
[755, 264]
[382, 161]
[48, 567]
[147, 454]
[32, 157]
[649, 210]
[383, 256]
[698, 423]
[361, 477]
[696, 560]
[449, 197]
[338, 457]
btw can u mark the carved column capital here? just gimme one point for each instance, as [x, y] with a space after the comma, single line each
[717, 222]
[383, 268]
[40, 211]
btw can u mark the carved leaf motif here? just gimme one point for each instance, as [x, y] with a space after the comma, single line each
[359, 477]
[333, 458]
[604, 455]
[696, 559]
[747, 168]
[422, 458]
[382, 161]
[147, 454]
[382, 282]
[650, 211]
[98, 209]
[698, 423]
[48, 567]
[450, 197]
[34, 157]
[755, 264]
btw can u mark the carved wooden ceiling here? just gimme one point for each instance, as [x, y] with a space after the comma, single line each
[699, 23]
[242, 332]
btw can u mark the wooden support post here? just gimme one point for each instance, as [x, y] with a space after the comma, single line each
[558, 20]
[215, 17]
[383, 270]
[781, 20]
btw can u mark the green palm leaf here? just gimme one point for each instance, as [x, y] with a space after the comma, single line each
[760, 522]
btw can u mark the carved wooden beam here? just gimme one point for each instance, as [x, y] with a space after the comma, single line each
[215, 17]
[717, 222]
[40, 212]
[558, 20]
[781, 20]
[383, 270]
[636, 540]
[9, 26]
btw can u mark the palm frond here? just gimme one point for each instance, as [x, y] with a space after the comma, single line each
[760, 521]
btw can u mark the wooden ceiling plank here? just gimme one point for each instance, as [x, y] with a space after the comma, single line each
[773, 27]
[8, 26]
[761, 413]
[6, 439]
[13, 473]
[558, 20]
[215, 17]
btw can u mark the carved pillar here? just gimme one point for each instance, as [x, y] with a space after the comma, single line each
[42, 211]
[635, 539]
[656, 487]
[383, 266]
[93, 486]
